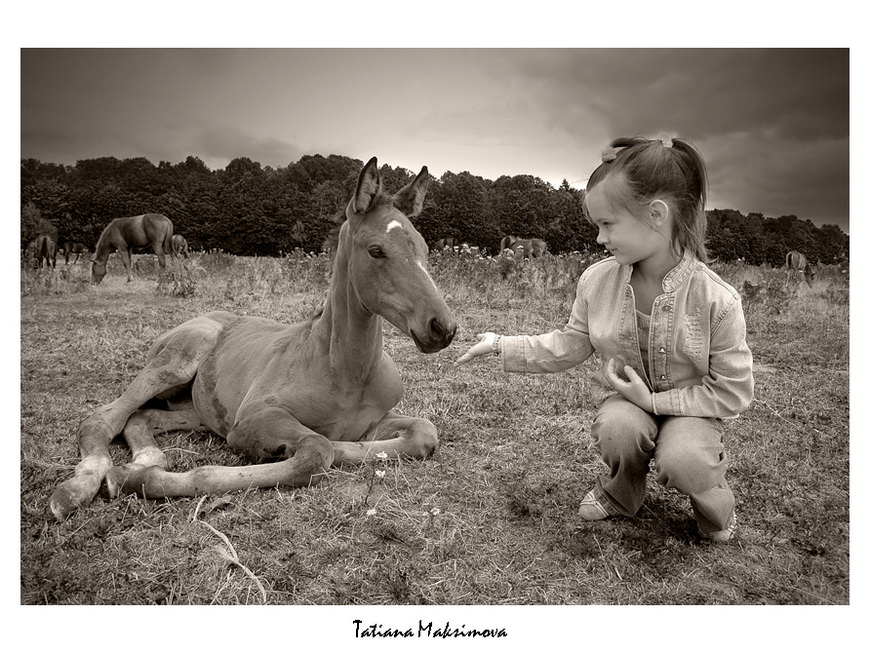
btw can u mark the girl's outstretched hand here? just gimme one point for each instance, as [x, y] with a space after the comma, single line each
[484, 346]
[633, 389]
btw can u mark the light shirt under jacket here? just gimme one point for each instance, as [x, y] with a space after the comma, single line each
[699, 363]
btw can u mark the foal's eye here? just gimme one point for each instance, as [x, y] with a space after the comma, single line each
[376, 252]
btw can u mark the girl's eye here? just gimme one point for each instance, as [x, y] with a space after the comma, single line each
[376, 252]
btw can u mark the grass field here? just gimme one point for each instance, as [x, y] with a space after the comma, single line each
[491, 519]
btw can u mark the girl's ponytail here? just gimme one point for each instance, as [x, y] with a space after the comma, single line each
[665, 168]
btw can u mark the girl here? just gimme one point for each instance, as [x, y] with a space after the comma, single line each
[670, 333]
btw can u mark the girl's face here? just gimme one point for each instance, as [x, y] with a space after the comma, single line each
[627, 238]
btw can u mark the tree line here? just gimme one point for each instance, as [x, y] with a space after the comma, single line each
[249, 209]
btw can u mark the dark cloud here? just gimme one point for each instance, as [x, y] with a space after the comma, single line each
[773, 125]
[706, 92]
[808, 179]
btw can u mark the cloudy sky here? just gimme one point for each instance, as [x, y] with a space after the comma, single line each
[773, 125]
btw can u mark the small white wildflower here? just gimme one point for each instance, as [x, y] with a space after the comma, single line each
[372, 511]
[435, 511]
[382, 454]
[380, 473]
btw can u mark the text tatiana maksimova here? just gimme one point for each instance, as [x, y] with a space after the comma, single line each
[426, 630]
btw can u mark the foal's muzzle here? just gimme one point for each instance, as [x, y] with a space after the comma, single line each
[439, 334]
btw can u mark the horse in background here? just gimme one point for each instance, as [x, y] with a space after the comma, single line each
[797, 267]
[523, 247]
[446, 243]
[179, 246]
[46, 251]
[123, 234]
[311, 394]
[73, 247]
[29, 255]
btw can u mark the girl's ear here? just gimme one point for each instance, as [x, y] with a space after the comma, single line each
[659, 212]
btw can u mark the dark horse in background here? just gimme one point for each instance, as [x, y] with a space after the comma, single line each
[30, 254]
[179, 246]
[123, 234]
[797, 266]
[446, 243]
[523, 247]
[72, 247]
[46, 251]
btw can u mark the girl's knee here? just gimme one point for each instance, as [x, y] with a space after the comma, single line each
[689, 454]
[690, 469]
[623, 429]
[617, 414]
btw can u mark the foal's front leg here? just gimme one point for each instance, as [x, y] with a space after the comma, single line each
[396, 435]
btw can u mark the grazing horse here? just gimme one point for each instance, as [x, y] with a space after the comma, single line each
[46, 251]
[123, 234]
[70, 247]
[446, 243]
[314, 394]
[30, 254]
[179, 246]
[523, 247]
[796, 265]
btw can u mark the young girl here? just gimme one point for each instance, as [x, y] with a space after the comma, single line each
[670, 333]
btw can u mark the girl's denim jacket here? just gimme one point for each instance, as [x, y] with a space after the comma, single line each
[699, 362]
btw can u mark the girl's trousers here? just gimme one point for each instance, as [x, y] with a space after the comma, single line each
[688, 452]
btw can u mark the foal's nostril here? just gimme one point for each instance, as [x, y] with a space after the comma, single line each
[440, 332]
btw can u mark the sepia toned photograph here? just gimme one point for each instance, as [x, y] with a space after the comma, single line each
[470, 327]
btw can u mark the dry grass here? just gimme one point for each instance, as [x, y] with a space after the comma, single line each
[491, 519]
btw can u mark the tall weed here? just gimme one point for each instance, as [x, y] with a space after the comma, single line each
[64, 279]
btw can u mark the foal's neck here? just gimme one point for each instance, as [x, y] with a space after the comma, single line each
[353, 335]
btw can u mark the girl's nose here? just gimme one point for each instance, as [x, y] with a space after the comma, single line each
[600, 239]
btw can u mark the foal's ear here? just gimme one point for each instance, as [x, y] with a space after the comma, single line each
[409, 200]
[367, 187]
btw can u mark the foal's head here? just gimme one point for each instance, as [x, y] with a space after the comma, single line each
[387, 260]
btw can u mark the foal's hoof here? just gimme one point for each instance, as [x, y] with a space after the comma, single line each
[62, 503]
[72, 494]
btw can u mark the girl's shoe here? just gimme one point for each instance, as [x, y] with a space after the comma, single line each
[592, 509]
[725, 534]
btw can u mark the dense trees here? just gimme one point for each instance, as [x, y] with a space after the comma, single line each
[756, 239]
[247, 209]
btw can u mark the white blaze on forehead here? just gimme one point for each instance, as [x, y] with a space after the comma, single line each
[426, 272]
[394, 224]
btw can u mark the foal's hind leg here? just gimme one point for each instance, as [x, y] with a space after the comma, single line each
[173, 362]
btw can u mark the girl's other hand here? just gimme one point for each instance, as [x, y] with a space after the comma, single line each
[632, 387]
[484, 346]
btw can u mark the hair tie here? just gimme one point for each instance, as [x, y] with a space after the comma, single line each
[666, 140]
[608, 154]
